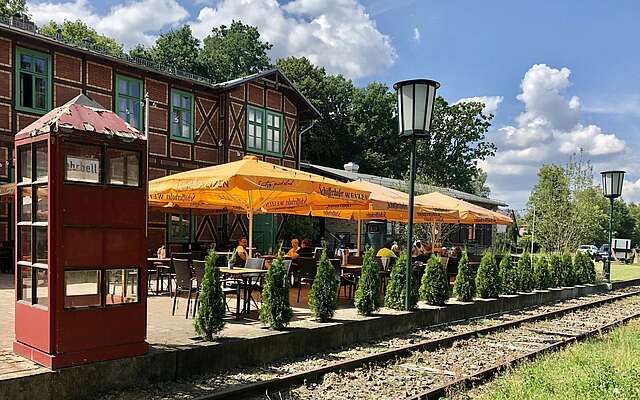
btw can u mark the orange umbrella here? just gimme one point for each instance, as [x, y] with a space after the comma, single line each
[250, 186]
[468, 213]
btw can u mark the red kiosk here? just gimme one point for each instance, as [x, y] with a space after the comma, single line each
[81, 293]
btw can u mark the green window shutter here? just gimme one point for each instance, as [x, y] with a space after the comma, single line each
[181, 123]
[255, 129]
[33, 81]
[128, 100]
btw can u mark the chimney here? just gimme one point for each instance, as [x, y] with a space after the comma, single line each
[351, 167]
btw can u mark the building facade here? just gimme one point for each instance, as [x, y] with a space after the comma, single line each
[193, 122]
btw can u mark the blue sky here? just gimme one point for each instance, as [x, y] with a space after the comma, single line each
[558, 75]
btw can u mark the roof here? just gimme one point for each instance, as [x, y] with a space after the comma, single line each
[31, 30]
[81, 114]
[311, 111]
[400, 184]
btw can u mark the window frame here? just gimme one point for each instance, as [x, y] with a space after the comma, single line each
[192, 115]
[33, 225]
[183, 217]
[118, 96]
[107, 164]
[18, 86]
[264, 127]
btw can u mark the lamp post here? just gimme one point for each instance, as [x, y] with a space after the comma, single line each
[416, 99]
[611, 188]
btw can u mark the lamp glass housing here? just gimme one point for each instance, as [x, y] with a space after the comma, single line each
[416, 100]
[612, 183]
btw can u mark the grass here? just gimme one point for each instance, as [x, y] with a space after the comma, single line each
[605, 369]
[621, 272]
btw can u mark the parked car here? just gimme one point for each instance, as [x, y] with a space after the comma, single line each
[603, 252]
[590, 249]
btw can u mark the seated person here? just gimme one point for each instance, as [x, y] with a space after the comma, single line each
[395, 248]
[417, 249]
[293, 252]
[241, 252]
[306, 250]
[385, 252]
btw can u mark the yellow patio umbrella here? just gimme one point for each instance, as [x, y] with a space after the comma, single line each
[250, 186]
[468, 213]
[390, 205]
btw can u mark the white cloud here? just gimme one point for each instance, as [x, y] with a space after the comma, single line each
[631, 190]
[128, 23]
[416, 34]
[547, 131]
[336, 34]
[491, 103]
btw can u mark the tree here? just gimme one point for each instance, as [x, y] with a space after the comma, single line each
[569, 278]
[9, 8]
[590, 219]
[435, 285]
[367, 298]
[541, 272]
[525, 272]
[77, 33]
[233, 51]
[624, 224]
[556, 273]
[508, 275]
[550, 197]
[479, 184]
[300, 227]
[177, 49]
[465, 286]
[634, 212]
[330, 141]
[584, 268]
[323, 298]
[397, 287]
[456, 143]
[211, 301]
[275, 311]
[488, 277]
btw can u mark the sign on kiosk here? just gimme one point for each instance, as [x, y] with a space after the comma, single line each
[83, 169]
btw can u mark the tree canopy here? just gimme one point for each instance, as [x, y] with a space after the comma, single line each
[177, 48]
[77, 33]
[9, 8]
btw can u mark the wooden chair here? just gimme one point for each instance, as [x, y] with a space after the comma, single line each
[307, 267]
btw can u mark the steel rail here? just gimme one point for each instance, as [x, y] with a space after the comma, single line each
[272, 385]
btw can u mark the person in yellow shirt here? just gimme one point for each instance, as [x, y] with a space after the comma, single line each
[293, 252]
[241, 251]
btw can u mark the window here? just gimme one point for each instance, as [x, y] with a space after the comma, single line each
[33, 81]
[82, 163]
[124, 167]
[264, 131]
[33, 197]
[122, 286]
[128, 100]
[179, 228]
[81, 288]
[181, 115]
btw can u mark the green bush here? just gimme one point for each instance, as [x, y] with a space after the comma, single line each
[488, 277]
[367, 298]
[584, 268]
[323, 297]
[397, 287]
[525, 273]
[465, 286]
[508, 275]
[556, 274]
[541, 272]
[211, 301]
[275, 311]
[567, 268]
[435, 285]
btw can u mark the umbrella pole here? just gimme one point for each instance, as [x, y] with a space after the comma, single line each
[359, 231]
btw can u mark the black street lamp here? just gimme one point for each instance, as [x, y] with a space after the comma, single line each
[416, 99]
[611, 188]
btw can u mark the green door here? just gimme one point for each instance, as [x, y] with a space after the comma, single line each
[264, 233]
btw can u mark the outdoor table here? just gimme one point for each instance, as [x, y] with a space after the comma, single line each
[244, 274]
[352, 268]
[162, 263]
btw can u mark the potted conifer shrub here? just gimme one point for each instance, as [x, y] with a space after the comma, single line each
[569, 278]
[556, 274]
[323, 297]
[211, 301]
[541, 272]
[367, 298]
[465, 286]
[435, 285]
[397, 288]
[488, 277]
[525, 273]
[508, 275]
[275, 311]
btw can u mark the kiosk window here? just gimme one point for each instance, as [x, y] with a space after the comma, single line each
[82, 164]
[26, 282]
[124, 167]
[42, 287]
[26, 162]
[81, 288]
[122, 285]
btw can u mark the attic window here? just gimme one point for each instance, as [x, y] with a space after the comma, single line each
[33, 81]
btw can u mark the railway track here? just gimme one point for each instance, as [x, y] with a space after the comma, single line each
[422, 364]
[426, 369]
